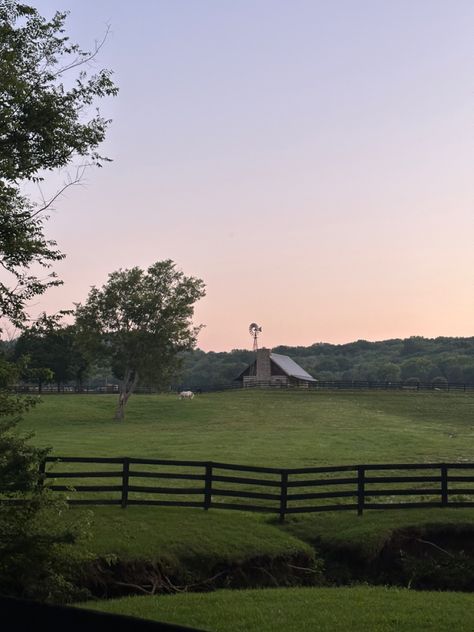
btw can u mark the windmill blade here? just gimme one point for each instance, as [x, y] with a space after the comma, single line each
[253, 327]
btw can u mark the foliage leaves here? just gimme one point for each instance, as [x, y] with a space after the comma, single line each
[38, 556]
[50, 352]
[42, 122]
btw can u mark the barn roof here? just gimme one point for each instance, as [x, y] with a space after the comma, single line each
[290, 367]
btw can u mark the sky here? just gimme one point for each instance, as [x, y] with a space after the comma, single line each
[311, 161]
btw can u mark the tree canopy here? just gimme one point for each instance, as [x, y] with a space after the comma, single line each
[44, 125]
[141, 321]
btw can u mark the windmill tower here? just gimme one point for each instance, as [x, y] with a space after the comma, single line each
[254, 330]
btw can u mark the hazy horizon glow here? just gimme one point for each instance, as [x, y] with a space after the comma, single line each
[310, 161]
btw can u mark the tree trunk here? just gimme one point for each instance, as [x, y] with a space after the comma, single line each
[127, 386]
[120, 411]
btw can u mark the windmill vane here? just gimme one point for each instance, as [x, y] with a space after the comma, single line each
[254, 330]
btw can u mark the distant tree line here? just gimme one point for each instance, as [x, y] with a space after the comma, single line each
[437, 360]
[51, 354]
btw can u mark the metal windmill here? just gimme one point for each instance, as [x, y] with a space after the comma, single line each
[254, 330]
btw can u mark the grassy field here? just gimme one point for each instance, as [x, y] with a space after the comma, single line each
[257, 428]
[282, 429]
[358, 609]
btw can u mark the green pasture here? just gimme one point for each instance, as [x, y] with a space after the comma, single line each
[306, 609]
[269, 428]
[191, 547]
[280, 429]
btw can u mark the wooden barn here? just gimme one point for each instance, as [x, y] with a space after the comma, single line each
[273, 369]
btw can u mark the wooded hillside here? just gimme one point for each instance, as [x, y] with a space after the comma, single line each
[424, 359]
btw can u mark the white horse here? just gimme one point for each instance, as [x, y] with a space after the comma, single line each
[186, 395]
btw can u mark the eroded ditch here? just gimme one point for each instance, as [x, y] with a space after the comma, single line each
[426, 558]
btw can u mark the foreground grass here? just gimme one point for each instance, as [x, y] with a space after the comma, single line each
[187, 536]
[150, 533]
[306, 609]
[368, 534]
[287, 428]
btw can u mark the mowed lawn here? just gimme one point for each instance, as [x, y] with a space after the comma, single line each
[270, 428]
[358, 609]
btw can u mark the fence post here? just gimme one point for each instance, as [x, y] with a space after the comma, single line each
[41, 473]
[125, 477]
[360, 489]
[444, 485]
[283, 494]
[208, 487]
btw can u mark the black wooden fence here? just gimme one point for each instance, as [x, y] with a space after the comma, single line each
[343, 385]
[207, 484]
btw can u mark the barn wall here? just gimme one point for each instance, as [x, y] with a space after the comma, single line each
[250, 381]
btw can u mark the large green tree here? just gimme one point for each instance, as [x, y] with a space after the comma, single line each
[46, 123]
[141, 320]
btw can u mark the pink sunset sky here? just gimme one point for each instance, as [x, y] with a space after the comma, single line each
[311, 161]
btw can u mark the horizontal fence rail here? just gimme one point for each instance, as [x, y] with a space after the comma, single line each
[358, 385]
[407, 385]
[129, 481]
